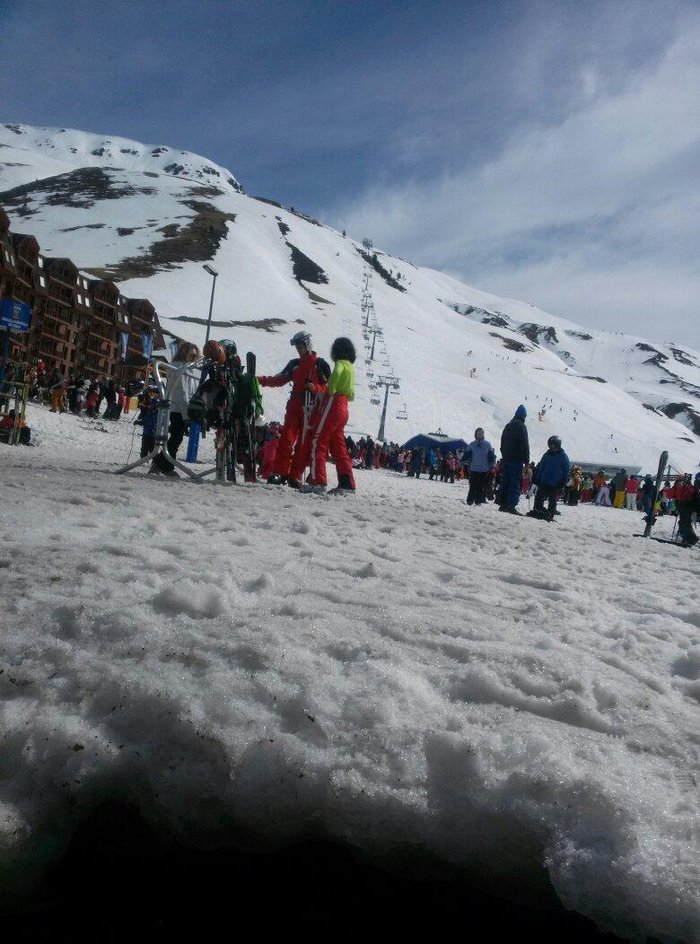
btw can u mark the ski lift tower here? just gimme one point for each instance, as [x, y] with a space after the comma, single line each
[389, 383]
[374, 332]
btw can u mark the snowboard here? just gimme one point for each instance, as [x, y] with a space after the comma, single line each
[651, 517]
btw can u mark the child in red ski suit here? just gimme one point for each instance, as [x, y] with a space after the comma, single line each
[327, 433]
[269, 452]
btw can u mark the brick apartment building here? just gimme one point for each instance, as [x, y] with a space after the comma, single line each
[76, 321]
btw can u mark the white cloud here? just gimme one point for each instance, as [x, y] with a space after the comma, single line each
[602, 202]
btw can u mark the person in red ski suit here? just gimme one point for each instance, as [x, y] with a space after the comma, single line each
[269, 452]
[307, 373]
[327, 426]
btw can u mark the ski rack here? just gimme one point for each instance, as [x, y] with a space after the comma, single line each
[163, 421]
[20, 395]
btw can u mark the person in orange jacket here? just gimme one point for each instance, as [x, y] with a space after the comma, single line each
[308, 374]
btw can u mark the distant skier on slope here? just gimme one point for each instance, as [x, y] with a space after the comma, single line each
[308, 374]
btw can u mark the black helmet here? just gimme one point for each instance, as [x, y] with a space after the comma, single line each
[554, 442]
[301, 337]
[343, 349]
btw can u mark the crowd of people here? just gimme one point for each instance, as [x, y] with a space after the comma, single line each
[313, 430]
[72, 393]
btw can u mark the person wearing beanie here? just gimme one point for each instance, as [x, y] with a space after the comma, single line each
[515, 453]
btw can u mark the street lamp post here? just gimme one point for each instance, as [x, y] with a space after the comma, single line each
[214, 273]
[195, 429]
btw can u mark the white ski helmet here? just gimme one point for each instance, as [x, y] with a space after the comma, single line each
[301, 337]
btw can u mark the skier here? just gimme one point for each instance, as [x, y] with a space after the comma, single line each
[551, 475]
[648, 489]
[57, 384]
[327, 432]
[481, 458]
[515, 452]
[603, 496]
[416, 463]
[619, 483]
[631, 489]
[687, 500]
[308, 373]
[575, 486]
[432, 463]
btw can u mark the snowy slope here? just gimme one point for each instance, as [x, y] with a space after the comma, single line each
[514, 699]
[463, 357]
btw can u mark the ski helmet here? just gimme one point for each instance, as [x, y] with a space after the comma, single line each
[343, 349]
[214, 351]
[554, 442]
[229, 346]
[301, 337]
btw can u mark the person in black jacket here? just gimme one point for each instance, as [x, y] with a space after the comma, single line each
[515, 453]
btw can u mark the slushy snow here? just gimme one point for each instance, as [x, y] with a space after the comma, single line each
[510, 695]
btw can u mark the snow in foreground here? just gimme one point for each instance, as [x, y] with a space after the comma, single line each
[397, 667]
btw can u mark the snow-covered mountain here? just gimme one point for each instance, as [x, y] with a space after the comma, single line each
[150, 217]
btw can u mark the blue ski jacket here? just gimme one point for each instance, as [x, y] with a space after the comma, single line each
[480, 456]
[553, 468]
[515, 443]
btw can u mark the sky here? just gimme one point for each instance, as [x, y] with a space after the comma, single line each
[548, 151]
[396, 672]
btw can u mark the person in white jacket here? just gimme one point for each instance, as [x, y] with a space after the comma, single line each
[603, 496]
[180, 388]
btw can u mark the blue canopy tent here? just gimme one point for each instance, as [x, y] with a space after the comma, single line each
[436, 441]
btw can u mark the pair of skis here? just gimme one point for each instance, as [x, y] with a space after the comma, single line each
[236, 432]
